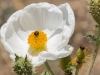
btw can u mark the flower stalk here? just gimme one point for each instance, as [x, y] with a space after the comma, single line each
[77, 71]
[95, 12]
[95, 52]
[48, 68]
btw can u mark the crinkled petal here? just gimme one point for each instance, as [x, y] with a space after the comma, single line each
[48, 55]
[55, 54]
[48, 32]
[10, 39]
[68, 16]
[55, 37]
[58, 45]
[51, 33]
[66, 33]
[67, 50]
[14, 16]
[55, 40]
[20, 31]
[37, 61]
[2, 36]
[4, 29]
[41, 16]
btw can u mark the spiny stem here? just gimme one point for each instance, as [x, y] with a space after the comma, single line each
[95, 52]
[77, 71]
[48, 67]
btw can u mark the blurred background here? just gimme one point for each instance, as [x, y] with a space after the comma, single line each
[84, 25]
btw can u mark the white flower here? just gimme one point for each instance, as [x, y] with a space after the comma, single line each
[41, 31]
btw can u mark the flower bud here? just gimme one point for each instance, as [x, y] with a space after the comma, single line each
[81, 53]
[95, 10]
[64, 62]
[23, 66]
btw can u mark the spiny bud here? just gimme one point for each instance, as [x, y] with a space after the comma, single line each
[95, 10]
[81, 53]
[23, 66]
[96, 1]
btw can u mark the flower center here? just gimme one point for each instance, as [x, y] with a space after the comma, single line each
[37, 41]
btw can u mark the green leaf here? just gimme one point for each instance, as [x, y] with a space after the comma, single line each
[93, 38]
[96, 26]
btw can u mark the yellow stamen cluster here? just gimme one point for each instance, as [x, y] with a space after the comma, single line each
[37, 40]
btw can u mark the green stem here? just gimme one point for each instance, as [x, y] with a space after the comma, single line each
[77, 70]
[95, 52]
[48, 68]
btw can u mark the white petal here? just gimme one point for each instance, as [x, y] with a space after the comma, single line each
[68, 16]
[12, 57]
[27, 22]
[17, 45]
[55, 40]
[14, 16]
[67, 50]
[66, 33]
[4, 29]
[37, 61]
[48, 55]
[48, 32]
[2, 35]
[51, 33]
[11, 41]
[20, 31]
[62, 44]
[42, 15]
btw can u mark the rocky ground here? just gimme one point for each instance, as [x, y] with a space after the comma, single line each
[84, 25]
